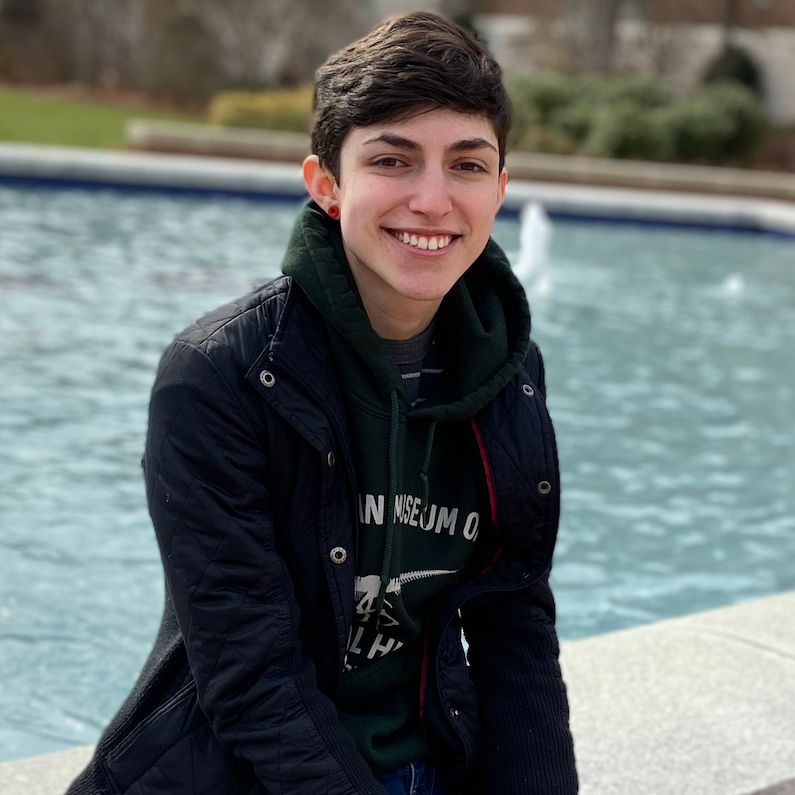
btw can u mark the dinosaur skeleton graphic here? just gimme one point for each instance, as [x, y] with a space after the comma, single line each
[366, 592]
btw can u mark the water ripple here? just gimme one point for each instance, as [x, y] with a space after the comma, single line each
[670, 381]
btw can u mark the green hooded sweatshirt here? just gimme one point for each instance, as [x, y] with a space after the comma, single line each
[423, 462]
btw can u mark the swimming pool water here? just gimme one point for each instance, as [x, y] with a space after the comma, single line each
[670, 380]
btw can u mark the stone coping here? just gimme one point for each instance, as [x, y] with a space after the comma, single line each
[702, 705]
[206, 139]
[31, 164]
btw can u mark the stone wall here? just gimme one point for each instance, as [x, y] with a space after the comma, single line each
[678, 52]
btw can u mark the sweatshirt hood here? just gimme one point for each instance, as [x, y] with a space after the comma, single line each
[482, 325]
[482, 331]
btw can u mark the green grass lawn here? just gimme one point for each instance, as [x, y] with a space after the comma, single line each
[35, 118]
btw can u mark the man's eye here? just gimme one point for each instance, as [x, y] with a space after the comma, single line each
[388, 162]
[468, 166]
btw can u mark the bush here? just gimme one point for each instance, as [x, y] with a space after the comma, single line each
[640, 91]
[635, 117]
[575, 121]
[535, 102]
[547, 139]
[277, 109]
[734, 65]
[555, 113]
[625, 131]
[722, 122]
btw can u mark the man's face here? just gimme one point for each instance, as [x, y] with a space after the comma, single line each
[418, 199]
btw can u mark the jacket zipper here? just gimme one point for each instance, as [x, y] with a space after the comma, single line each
[518, 587]
[425, 649]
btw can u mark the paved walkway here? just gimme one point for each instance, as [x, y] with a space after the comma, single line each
[701, 705]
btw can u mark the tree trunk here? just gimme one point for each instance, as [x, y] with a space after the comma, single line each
[84, 42]
[601, 17]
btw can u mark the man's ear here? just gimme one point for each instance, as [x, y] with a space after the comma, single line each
[501, 188]
[320, 182]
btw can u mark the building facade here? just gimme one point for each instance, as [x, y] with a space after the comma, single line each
[676, 39]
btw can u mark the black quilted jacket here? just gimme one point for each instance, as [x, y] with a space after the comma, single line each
[238, 694]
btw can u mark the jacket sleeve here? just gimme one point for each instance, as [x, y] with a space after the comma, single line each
[233, 597]
[513, 652]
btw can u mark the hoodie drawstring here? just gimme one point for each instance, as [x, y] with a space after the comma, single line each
[386, 564]
[423, 476]
[389, 539]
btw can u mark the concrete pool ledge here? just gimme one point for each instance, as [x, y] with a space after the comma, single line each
[209, 139]
[703, 705]
[30, 164]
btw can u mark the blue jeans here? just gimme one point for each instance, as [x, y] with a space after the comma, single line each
[416, 778]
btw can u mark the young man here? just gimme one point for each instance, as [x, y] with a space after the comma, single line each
[353, 463]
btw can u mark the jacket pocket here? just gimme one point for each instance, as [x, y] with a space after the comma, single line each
[175, 750]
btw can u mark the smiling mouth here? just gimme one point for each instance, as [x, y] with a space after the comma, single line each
[423, 242]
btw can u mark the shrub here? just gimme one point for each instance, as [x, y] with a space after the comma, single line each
[575, 121]
[535, 101]
[555, 113]
[722, 122]
[640, 91]
[549, 140]
[277, 109]
[624, 130]
[635, 117]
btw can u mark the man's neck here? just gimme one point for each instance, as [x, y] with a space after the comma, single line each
[400, 326]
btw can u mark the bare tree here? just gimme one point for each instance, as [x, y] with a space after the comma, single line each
[255, 36]
[263, 40]
[108, 34]
[652, 46]
[601, 17]
[85, 36]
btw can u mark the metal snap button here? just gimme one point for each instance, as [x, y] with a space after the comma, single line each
[267, 378]
[330, 458]
[544, 487]
[454, 713]
[338, 555]
[528, 390]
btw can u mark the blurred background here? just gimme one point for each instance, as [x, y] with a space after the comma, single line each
[667, 80]
[668, 349]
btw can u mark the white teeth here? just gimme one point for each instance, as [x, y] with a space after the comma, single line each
[424, 243]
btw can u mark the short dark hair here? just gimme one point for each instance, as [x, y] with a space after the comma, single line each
[410, 64]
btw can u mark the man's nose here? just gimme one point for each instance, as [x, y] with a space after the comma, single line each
[431, 195]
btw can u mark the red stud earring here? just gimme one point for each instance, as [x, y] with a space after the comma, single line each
[333, 211]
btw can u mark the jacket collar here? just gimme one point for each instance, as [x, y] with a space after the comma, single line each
[299, 348]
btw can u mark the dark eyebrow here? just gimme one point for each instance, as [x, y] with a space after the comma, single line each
[398, 141]
[393, 140]
[472, 143]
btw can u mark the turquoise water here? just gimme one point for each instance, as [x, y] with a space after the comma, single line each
[670, 379]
